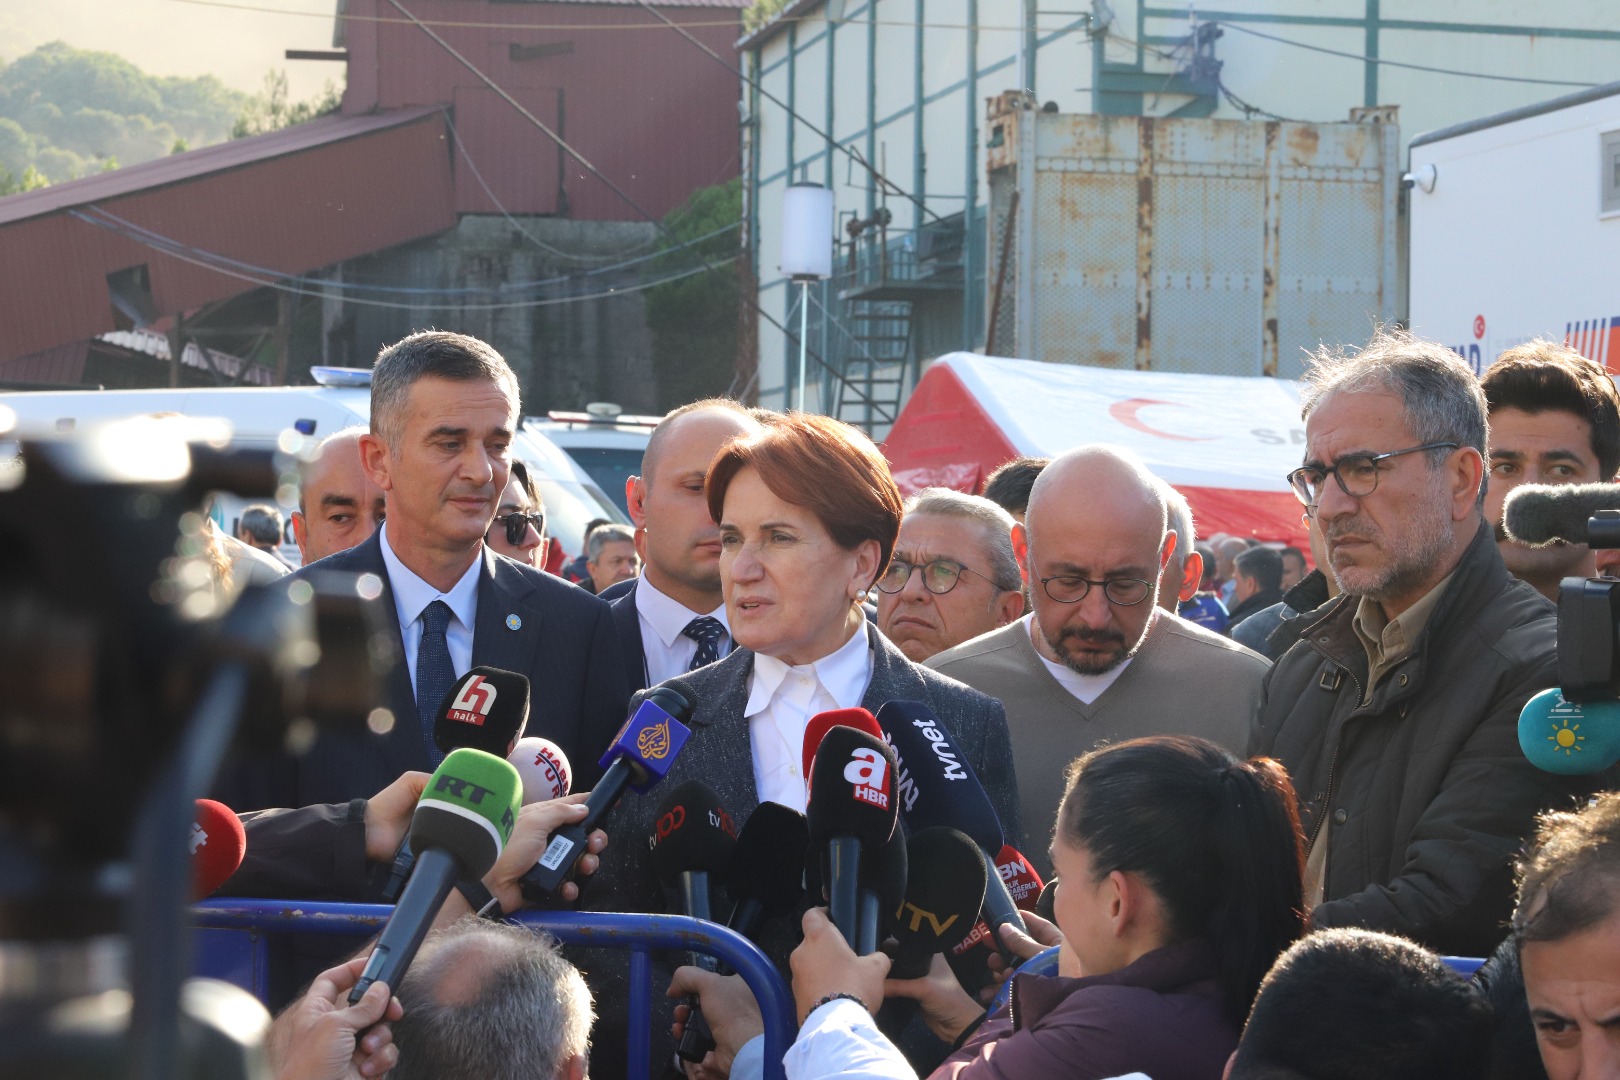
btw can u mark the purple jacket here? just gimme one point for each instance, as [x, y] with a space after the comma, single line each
[1160, 1016]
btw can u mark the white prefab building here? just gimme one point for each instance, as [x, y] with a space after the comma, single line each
[886, 103]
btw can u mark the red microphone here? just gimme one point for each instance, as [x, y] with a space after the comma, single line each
[1023, 883]
[823, 722]
[218, 843]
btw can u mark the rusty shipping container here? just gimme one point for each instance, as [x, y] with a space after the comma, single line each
[1227, 247]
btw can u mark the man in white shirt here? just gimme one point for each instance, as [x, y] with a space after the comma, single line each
[672, 619]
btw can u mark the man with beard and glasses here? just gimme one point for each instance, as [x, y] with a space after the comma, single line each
[1396, 714]
[1098, 659]
[1555, 419]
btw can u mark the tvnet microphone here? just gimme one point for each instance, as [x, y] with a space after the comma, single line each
[852, 809]
[218, 844]
[692, 841]
[543, 768]
[638, 758]
[943, 896]
[460, 827]
[766, 877]
[936, 786]
[486, 710]
[1537, 515]
[1570, 738]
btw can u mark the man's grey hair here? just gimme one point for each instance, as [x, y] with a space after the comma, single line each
[994, 522]
[1442, 396]
[519, 1013]
[1179, 519]
[308, 461]
[603, 535]
[263, 523]
[434, 354]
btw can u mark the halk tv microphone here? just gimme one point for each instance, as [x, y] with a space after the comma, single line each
[639, 757]
[852, 808]
[218, 845]
[460, 827]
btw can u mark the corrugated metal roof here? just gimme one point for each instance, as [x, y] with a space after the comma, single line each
[192, 164]
[157, 345]
[778, 23]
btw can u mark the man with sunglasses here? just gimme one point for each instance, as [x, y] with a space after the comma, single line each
[1396, 713]
[953, 575]
[1097, 659]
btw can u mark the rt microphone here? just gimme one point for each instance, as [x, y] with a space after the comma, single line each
[486, 709]
[638, 758]
[218, 845]
[543, 768]
[852, 808]
[1570, 738]
[1537, 515]
[460, 827]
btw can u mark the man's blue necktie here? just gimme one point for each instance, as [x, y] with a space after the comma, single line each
[706, 631]
[435, 674]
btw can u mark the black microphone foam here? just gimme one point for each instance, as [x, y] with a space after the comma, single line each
[884, 873]
[1045, 902]
[691, 832]
[852, 789]
[942, 900]
[1536, 515]
[487, 709]
[766, 877]
[935, 785]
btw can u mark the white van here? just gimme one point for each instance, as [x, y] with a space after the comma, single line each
[258, 416]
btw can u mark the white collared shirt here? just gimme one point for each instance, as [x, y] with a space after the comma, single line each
[412, 595]
[781, 701]
[1086, 688]
[669, 652]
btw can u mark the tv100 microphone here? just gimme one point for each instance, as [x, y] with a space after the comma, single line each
[460, 827]
[486, 709]
[639, 756]
[852, 809]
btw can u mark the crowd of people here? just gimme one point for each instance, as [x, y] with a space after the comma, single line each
[1273, 790]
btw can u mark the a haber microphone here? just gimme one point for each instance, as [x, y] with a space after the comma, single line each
[692, 842]
[486, 710]
[936, 786]
[1537, 515]
[852, 809]
[1570, 738]
[638, 758]
[218, 845]
[460, 827]
[543, 768]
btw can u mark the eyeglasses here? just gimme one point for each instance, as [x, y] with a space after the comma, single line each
[939, 577]
[1121, 592]
[1357, 474]
[517, 525]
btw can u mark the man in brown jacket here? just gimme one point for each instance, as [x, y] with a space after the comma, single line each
[1396, 712]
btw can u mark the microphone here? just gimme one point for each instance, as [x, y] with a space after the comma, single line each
[1537, 515]
[638, 758]
[884, 872]
[823, 722]
[766, 876]
[941, 906]
[852, 808]
[218, 844]
[460, 827]
[936, 786]
[1022, 880]
[543, 768]
[1047, 901]
[1570, 738]
[486, 709]
[693, 838]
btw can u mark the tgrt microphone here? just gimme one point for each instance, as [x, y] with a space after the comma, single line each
[638, 757]
[1570, 738]
[461, 825]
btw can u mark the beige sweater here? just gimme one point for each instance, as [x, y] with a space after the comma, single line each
[1184, 680]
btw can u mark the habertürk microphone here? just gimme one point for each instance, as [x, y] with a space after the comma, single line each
[543, 768]
[1537, 515]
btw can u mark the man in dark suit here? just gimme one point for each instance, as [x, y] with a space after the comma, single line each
[444, 408]
[672, 618]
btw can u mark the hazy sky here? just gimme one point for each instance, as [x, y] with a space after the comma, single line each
[174, 37]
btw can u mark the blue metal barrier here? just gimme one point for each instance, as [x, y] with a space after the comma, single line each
[232, 938]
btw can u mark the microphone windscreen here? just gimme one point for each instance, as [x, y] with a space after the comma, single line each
[943, 895]
[652, 736]
[970, 958]
[468, 810]
[543, 768]
[935, 785]
[885, 870]
[691, 831]
[1539, 514]
[1022, 880]
[218, 845]
[823, 722]
[767, 865]
[1045, 903]
[1567, 737]
[852, 789]
[486, 710]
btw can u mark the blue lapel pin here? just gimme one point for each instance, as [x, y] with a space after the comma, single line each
[514, 623]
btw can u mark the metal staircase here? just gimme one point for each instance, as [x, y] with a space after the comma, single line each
[876, 353]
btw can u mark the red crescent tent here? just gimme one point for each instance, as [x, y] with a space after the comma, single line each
[1225, 442]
